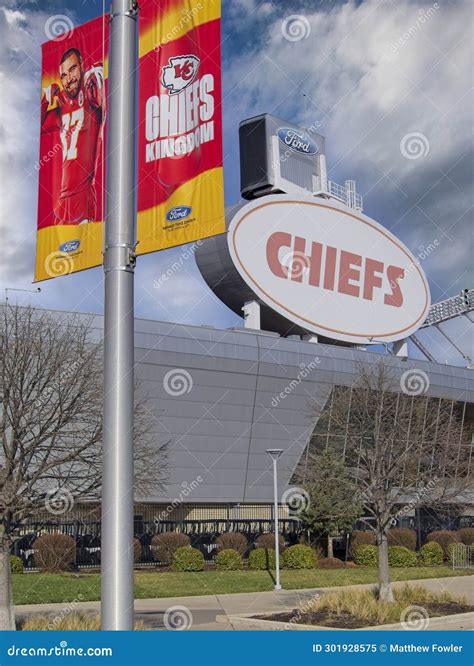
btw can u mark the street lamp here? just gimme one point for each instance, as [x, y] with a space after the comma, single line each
[274, 455]
[29, 291]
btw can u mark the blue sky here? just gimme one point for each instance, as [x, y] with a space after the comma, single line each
[374, 73]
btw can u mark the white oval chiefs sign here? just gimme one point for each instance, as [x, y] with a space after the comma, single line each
[329, 269]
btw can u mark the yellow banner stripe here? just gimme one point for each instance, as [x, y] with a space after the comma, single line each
[205, 196]
[51, 262]
[177, 22]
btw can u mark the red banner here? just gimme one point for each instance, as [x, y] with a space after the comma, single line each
[71, 164]
[180, 179]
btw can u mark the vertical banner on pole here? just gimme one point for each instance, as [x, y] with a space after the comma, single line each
[71, 165]
[180, 176]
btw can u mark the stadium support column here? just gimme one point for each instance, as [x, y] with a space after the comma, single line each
[251, 311]
[119, 263]
[400, 348]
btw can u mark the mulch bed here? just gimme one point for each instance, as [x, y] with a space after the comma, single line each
[326, 618]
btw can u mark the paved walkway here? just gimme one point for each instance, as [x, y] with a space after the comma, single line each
[204, 609]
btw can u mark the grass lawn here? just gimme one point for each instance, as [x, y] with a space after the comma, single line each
[37, 588]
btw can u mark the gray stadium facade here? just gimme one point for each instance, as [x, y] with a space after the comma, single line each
[222, 397]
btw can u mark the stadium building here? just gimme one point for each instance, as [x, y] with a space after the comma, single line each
[221, 398]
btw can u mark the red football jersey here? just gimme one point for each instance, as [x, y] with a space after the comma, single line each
[79, 121]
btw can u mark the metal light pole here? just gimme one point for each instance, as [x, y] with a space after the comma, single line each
[274, 455]
[119, 263]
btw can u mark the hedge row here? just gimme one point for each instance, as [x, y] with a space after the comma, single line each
[56, 552]
[398, 556]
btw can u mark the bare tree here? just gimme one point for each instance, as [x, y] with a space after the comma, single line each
[51, 424]
[403, 449]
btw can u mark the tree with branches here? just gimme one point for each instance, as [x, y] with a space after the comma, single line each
[332, 504]
[402, 449]
[51, 396]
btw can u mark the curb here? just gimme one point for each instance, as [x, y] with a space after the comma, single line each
[246, 620]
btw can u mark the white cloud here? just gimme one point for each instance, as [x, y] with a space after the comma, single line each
[369, 85]
[366, 96]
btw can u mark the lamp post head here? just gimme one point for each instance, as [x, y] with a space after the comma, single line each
[274, 453]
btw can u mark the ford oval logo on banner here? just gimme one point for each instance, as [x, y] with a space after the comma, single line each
[329, 269]
[300, 143]
[178, 213]
[70, 246]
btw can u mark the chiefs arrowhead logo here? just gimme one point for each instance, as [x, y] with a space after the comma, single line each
[180, 72]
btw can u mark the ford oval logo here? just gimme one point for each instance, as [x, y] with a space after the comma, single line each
[300, 143]
[70, 246]
[178, 213]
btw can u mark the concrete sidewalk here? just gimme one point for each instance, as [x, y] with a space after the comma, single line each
[204, 609]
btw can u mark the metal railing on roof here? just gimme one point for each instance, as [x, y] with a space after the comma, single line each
[345, 193]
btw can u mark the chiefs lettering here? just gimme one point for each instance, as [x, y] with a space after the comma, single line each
[181, 119]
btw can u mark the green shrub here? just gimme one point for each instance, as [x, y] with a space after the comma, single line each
[400, 536]
[16, 564]
[366, 555]
[164, 546]
[229, 560]
[399, 556]
[331, 563]
[188, 559]
[232, 540]
[466, 535]
[360, 538]
[431, 553]
[54, 552]
[267, 540]
[444, 538]
[299, 557]
[262, 558]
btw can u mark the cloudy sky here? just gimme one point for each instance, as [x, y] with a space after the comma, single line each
[388, 81]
